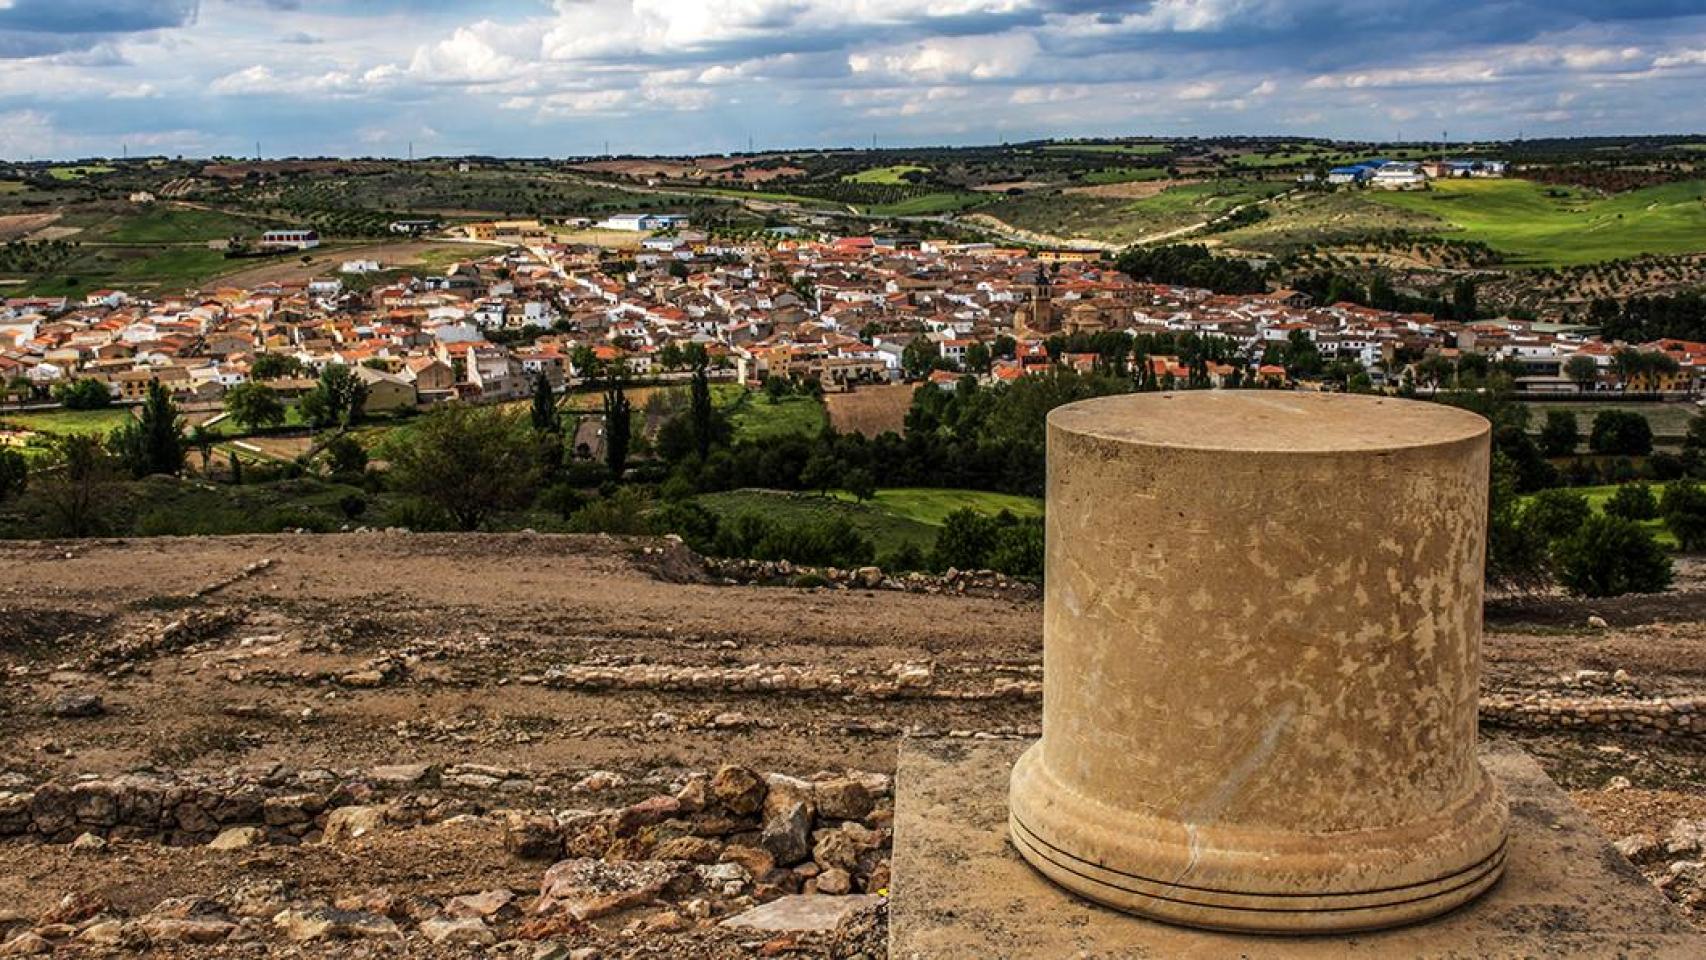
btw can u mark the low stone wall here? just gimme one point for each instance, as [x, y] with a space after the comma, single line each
[781, 573]
[1684, 716]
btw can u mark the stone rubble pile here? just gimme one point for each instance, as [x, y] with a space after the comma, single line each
[1676, 864]
[692, 860]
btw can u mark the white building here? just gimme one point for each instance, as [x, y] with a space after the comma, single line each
[289, 240]
[1400, 176]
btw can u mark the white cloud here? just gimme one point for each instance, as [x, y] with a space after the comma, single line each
[953, 58]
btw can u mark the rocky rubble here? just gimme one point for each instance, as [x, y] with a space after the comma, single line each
[1675, 863]
[686, 862]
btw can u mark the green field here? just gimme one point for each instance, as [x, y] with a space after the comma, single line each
[1539, 225]
[755, 418]
[161, 225]
[931, 506]
[1597, 496]
[65, 422]
[894, 174]
[895, 518]
[927, 205]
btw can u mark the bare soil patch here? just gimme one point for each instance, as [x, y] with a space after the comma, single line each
[870, 410]
[1135, 190]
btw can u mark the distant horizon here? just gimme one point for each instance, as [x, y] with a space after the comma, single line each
[880, 148]
[546, 78]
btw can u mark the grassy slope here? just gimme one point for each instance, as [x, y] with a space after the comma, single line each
[1574, 226]
[931, 506]
[159, 224]
[1123, 221]
[755, 418]
[894, 174]
[896, 517]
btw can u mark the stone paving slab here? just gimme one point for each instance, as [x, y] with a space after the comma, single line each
[802, 913]
[960, 891]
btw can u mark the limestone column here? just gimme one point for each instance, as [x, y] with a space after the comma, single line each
[1262, 642]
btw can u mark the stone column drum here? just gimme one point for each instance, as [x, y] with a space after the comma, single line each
[1262, 642]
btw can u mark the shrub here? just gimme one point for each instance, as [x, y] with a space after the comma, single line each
[1611, 556]
[1633, 501]
[14, 473]
[807, 581]
[1684, 510]
[83, 394]
[1555, 514]
[623, 513]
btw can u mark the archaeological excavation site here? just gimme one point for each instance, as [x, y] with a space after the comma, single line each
[1239, 718]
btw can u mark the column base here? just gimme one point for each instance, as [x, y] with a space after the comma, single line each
[1255, 881]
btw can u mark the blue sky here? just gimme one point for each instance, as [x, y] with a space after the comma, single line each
[537, 77]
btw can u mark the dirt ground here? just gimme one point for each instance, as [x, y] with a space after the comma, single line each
[467, 632]
[870, 410]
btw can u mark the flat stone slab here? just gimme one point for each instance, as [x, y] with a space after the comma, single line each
[960, 890]
[802, 913]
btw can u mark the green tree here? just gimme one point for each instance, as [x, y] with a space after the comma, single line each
[1516, 552]
[14, 473]
[671, 356]
[1560, 435]
[919, 357]
[978, 359]
[966, 540]
[83, 394]
[1683, 507]
[337, 400]
[1694, 444]
[1622, 433]
[274, 366]
[860, 484]
[1611, 556]
[702, 412]
[77, 485]
[821, 472]
[544, 411]
[153, 443]
[202, 440]
[1582, 370]
[775, 388]
[618, 424]
[468, 461]
[1633, 501]
[254, 405]
[345, 456]
[1463, 305]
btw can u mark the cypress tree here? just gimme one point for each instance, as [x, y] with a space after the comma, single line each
[702, 408]
[617, 424]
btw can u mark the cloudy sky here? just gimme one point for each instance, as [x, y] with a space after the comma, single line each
[536, 77]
